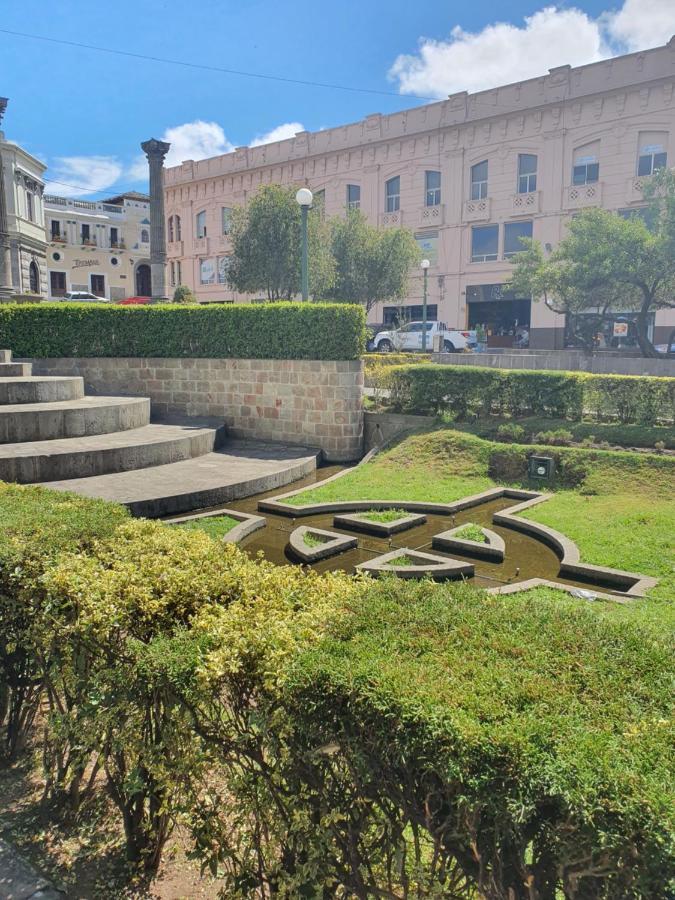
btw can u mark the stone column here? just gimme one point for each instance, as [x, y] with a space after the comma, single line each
[156, 151]
[7, 289]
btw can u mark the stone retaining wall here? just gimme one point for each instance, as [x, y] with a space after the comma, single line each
[316, 403]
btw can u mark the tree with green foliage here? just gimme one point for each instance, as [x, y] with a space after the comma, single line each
[183, 294]
[608, 263]
[371, 265]
[266, 246]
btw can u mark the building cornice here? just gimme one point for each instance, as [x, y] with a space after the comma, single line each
[561, 87]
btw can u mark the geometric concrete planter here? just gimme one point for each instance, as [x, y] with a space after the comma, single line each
[247, 523]
[333, 543]
[439, 568]
[359, 522]
[492, 549]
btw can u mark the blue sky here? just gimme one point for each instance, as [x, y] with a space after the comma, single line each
[85, 112]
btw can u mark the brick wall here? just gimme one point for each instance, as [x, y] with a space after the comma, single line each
[317, 403]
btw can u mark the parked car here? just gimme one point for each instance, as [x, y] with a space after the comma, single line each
[409, 337]
[371, 333]
[83, 297]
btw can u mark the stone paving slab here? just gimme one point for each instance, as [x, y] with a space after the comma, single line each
[240, 468]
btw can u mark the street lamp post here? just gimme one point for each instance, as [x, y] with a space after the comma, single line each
[425, 268]
[304, 198]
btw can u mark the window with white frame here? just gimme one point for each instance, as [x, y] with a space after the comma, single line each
[513, 232]
[55, 228]
[201, 224]
[432, 188]
[392, 195]
[484, 243]
[527, 173]
[586, 169]
[353, 196]
[226, 219]
[223, 269]
[651, 159]
[479, 180]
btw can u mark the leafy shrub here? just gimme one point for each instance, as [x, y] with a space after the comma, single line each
[509, 431]
[560, 437]
[324, 734]
[474, 391]
[660, 446]
[269, 331]
[183, 294]
[471, 532]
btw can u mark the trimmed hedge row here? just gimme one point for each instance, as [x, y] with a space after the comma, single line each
[265, 331]
[470, 391]
[504, 748]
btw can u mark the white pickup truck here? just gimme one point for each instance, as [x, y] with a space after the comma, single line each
[409, 337]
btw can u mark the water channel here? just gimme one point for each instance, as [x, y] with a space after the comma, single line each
[526, 557]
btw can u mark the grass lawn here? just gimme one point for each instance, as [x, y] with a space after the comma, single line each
[214, 526]
[621, 435]
[623, 515]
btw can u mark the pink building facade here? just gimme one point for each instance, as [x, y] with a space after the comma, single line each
[469, 175]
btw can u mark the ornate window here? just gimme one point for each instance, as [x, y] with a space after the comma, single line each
[392, 194]
[432, 188]
[177, 222]
[201, 224]
[479, 181]
[34, 277]
[170, 229]
[527, 173]
[353, 196]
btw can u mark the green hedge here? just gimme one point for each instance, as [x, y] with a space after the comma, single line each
[333, 736]
[265, 331]
[469, 391]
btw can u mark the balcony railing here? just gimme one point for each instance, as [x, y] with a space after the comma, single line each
[59, 238]
[391, 219]
[118, 245]
[88, 241]
[476, 210]
[636, 187]
[577, 196]
[201, 245]
[174, 248]
[432, 215]
[522, 204]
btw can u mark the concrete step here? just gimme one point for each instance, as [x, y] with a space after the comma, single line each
[40, 389]
[237, 470]
[14, 370]
[122, 451]
[71, 418]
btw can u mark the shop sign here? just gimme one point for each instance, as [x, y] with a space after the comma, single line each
[620, 329]
[427, 241]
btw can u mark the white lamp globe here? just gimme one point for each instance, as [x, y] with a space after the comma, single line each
[304, 197]
[425, 263]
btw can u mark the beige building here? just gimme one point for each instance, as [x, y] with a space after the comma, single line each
[470, 176]
[102, 247]
[23, 191]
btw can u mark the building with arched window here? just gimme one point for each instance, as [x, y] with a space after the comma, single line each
[471, 176]
[24, 188]
[102, 247]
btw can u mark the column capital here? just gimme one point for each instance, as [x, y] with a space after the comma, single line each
[155, 149]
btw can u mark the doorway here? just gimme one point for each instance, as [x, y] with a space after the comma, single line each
[143, 281]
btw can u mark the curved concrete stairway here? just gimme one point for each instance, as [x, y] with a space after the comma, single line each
[51, 433]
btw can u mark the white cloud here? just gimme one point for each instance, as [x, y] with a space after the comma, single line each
[503, 53]
[193, 140]
[77, 176]
[280, 133]
[641, 24]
